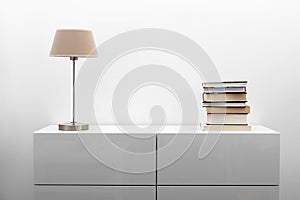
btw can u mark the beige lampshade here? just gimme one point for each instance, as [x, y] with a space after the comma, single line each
[73, 43]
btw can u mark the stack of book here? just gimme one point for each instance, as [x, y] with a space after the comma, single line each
[225, 104]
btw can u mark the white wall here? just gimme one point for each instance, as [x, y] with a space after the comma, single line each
[247, 39]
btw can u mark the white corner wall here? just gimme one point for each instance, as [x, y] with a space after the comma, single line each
[247, 39]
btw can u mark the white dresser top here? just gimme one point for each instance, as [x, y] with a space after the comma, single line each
[168, 129]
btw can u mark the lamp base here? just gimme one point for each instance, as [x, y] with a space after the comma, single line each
[73, 127]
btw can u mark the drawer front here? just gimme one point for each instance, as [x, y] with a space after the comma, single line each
[64, 159]
[218, 193]
[236, 159]
[93, 193]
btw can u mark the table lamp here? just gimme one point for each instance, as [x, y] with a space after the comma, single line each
[73, 43]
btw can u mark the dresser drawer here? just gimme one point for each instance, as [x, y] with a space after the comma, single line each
[218, 193]
[65, 159]
[236, 159]
[93, 193]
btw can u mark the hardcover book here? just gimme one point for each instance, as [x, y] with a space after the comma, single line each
[229, 119]
[228, 110]
[224, 104]
[225, 84]
[231, 97]
[224, 90]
